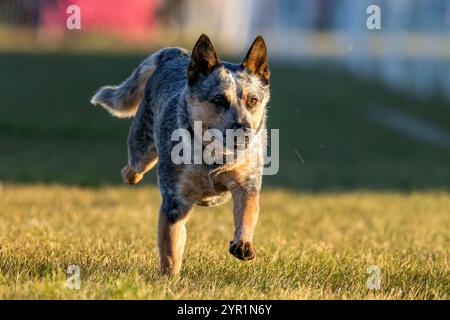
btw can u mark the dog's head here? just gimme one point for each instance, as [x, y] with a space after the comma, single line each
[226, 96]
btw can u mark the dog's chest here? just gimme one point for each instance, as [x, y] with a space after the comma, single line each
[194, 183]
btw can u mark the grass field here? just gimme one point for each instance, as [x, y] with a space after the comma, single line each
[309, 246]
[363, 194]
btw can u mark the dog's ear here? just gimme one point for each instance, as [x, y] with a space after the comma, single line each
[203, 59]
[256, 59]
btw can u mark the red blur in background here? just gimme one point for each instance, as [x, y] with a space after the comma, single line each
[131, 21]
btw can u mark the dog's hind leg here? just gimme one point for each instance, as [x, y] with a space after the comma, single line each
[142, 154]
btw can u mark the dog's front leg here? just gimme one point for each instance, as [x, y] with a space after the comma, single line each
[246, 212]
[172, 238]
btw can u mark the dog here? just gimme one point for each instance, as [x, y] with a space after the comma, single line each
[173, 89]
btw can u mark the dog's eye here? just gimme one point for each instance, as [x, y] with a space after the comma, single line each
[221, 101]
[252, 102]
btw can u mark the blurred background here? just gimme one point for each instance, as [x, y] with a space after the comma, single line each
[356, 108]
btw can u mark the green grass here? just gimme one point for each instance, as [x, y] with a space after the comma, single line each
[309, 246]
[364, 195]
[50, 133]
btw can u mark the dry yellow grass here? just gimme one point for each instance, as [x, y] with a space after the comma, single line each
[309, 246]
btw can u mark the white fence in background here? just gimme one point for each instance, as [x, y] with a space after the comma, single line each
[411, 51]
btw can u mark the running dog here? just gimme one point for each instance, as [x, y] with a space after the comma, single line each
[174, 89]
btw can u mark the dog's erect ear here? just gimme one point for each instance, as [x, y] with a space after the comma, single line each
[203, 59]
[256, 59]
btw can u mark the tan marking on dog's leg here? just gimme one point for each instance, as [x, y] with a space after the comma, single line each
[171, 242]
[246, 213]
[131, 176]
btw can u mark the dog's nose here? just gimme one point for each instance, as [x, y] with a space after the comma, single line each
[245, 127]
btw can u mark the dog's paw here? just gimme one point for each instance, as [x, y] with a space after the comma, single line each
[130, 176]
[242, 250]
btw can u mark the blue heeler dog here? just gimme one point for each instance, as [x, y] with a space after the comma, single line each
[172, 89]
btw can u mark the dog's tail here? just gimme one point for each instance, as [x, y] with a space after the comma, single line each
[122, 101]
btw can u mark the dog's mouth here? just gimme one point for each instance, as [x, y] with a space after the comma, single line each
[243, 145]
[241, 140]
[237, 143]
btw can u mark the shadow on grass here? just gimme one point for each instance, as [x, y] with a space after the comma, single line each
[49, 133]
